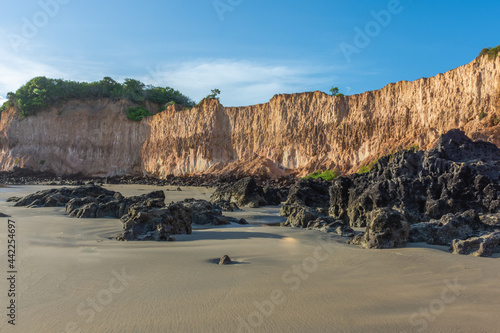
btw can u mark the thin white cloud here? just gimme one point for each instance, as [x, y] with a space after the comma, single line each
[16, 70]
[240, 82]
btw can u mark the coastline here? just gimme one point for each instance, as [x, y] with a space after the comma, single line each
[284, 279]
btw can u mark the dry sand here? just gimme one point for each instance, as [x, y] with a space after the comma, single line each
[73, 277]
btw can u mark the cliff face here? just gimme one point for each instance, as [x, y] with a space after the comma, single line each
[94, 138]
[304, 131]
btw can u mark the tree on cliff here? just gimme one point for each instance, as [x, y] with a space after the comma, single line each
[133, 90]
[335, 91]
[214, 94]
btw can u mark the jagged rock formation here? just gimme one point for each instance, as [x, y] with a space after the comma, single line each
[243, 193]
[331, 225]
[144, 217]
[60, 197]
[152, 220]
[387, 228]
[448, 195]
[307, 201]
[106, 206]
[483, 246]
[456, 176]
[88, 201]
[304, 131]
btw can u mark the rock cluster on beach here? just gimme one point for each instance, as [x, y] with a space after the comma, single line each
[152, 220]
[246, 193]
[446, 196]
[144, 217]
[307, 207]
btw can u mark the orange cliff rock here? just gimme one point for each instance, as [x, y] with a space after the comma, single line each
[298, 132]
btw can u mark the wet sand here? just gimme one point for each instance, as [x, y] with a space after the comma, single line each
[74, 277]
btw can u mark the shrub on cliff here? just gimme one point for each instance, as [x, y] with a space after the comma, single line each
[136, 114]
[214, 94]
[41, 92]
[491, 52]
[5, 106]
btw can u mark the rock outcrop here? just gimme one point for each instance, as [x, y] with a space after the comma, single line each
[307, 201]
[88, 201]
[107, 206]
[456, 176]
[387, 228]
[305, 131]
[243, 193]
[330, 225]
[144, 217]
[445, 196]
[152, 220]
[449, 228]
[60, 197]
[483, 246]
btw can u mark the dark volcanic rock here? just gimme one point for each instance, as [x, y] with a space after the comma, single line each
[244, 193]
[150, 220]
[225, 260]
[60, 197]
[387, 228]
[299, 216]
[272, 195]
[203, 212]
[114, 206]
[450, 227]
[448, 195]
[456, 176]
[329, 224]
[145, 222]
[226, 206]
[307, 201]
[241, 221]
[482, 246]
[310, 193]
[88, 201]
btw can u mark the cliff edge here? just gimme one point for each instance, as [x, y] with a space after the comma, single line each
[297, 132]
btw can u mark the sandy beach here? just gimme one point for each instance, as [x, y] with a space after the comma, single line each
[72, 276]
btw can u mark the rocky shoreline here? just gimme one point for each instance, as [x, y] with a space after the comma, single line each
[24, 176]
[448, 196]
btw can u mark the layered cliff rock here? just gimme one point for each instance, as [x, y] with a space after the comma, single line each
[303, 132]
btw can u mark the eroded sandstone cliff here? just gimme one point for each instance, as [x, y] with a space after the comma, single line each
[303, 132]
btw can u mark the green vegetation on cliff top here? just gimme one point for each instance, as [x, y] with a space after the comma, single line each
[492, 52]
[41, 92]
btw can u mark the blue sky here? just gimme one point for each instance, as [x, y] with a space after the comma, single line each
[250, 50]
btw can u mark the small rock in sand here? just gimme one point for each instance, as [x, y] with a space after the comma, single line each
[225, 260]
